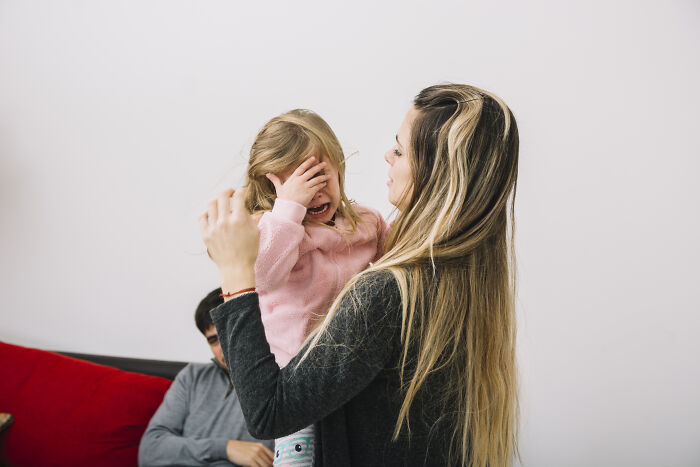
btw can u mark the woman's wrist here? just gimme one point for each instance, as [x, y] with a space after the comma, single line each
[235, 279]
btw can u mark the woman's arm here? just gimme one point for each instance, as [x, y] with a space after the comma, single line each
[359, 341]
[357, 346]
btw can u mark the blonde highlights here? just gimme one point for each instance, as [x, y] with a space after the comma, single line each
[285, 142]
[451, 253]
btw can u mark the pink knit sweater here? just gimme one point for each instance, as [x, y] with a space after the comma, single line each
[301, 269]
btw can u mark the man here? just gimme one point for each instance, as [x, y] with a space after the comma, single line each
[200, 420]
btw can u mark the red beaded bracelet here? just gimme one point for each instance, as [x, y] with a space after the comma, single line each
[231, 294]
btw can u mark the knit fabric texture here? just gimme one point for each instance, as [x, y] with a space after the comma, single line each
[348, 386]
[301, 268]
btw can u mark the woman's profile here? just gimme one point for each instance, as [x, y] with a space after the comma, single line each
[415, 362]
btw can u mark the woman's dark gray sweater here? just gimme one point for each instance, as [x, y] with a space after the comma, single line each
[348, 386]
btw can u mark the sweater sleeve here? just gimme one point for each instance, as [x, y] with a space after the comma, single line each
[357, 346]
[281, 233]
[382, 230]
[163, 444]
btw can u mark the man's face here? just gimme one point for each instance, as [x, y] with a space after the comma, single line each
[213, 340]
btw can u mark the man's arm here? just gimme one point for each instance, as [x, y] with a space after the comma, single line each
[163, 444]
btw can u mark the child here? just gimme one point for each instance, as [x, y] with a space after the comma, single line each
[312, 238]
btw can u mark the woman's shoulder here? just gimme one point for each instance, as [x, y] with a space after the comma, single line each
[377, 290]
[377, 278]
[372, 304]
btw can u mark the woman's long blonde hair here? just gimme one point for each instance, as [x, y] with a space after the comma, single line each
[451, 252]
[286, 141]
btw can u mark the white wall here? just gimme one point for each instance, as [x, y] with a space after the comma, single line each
[119, 120]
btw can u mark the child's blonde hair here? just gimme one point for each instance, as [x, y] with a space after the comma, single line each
[286, 141]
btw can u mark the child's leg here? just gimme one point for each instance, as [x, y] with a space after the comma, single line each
[296, 449]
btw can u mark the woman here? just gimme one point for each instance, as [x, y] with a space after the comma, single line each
[415, 362]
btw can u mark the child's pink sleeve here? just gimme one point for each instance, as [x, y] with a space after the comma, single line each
[281, 234]
[382, 229]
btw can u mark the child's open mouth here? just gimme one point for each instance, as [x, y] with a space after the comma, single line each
[318, 211]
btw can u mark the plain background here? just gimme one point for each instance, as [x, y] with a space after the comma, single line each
[120, 120]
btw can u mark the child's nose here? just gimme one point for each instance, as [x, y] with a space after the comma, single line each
[387, 156]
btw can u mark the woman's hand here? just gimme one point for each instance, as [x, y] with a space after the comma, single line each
[232, 238]
[303, 183]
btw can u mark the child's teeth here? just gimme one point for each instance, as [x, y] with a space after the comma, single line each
[317, 209]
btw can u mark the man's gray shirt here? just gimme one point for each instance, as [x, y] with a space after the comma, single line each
[195, 421]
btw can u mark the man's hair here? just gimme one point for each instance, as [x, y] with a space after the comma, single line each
[202, 317]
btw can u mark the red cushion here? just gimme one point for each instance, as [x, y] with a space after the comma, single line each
[73, 413]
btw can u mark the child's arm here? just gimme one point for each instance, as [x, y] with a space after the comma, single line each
[281, 233]
[382, 229]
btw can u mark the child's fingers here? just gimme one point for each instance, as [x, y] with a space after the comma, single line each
[316, 188]
[318, 180]
[304, 166]
[275, 181]
[313, 171]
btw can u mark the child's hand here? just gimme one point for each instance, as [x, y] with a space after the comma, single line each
[303, 183]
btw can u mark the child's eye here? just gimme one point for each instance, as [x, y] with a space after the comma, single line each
[397, 153]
